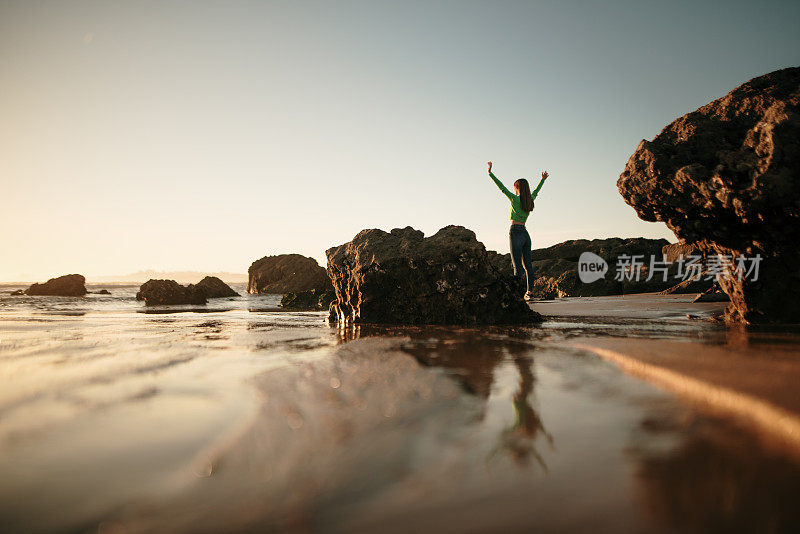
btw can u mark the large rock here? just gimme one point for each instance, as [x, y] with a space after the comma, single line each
[168, 292]
[402, 277]
[216, 288]
[555, 268]
[70, 285]
[286, 273]
[726, 178]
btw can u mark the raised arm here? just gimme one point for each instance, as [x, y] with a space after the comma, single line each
[500, 185]
[535, 192]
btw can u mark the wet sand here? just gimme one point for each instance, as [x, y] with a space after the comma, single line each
[751, 373]
[237, 418]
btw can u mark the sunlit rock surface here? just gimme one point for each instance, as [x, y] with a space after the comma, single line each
[726, 177]
[676, 251]
[402, 277]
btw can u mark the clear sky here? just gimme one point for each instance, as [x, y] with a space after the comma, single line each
[204, 135]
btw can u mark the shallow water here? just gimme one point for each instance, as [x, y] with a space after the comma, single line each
[238, 416]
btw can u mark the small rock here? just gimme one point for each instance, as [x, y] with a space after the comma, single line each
[70, 285]
[286, 273]
[168, 292]
[216, 288]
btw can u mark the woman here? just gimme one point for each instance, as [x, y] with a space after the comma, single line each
[520, 240]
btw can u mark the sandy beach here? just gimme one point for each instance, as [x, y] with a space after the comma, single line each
[241, 417]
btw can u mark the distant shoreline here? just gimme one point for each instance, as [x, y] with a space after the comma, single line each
[138, 278]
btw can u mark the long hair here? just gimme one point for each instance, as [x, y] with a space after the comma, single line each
[524, 189]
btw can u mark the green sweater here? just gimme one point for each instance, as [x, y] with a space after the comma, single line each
[517, 213]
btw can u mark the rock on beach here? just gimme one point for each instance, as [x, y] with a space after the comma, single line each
[555, 268]
[402, 277]
[725, 178]
[70, 285]
[216, 288]
[286, 273]
[170, 292]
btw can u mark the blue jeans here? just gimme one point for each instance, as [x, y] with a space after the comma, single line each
[520, 241]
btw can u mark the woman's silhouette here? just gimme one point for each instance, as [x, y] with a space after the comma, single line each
[518, 236]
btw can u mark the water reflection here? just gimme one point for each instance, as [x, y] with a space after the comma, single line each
[179, 309]
[761, 337]
[519, 439]
[111, 406]
[694, 472]
[717, 479]
[472, 356]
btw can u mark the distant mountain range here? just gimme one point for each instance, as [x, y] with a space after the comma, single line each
[183, 277]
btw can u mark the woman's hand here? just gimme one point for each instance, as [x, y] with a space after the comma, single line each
[544, 174]
[490, 166]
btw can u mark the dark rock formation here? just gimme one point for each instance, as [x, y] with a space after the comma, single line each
[501, 262]
[314, 299]
[167, 292]
[216, 288]
[402, 277]
[286, 273]
[556, 268]
[18, 292]
[605, 248]
[102, 292]
[726, 178]
[70, 285]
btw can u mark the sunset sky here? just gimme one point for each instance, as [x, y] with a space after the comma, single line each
[204, 135]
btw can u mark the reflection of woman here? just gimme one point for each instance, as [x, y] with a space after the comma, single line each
[518, 236]
[527, 423]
